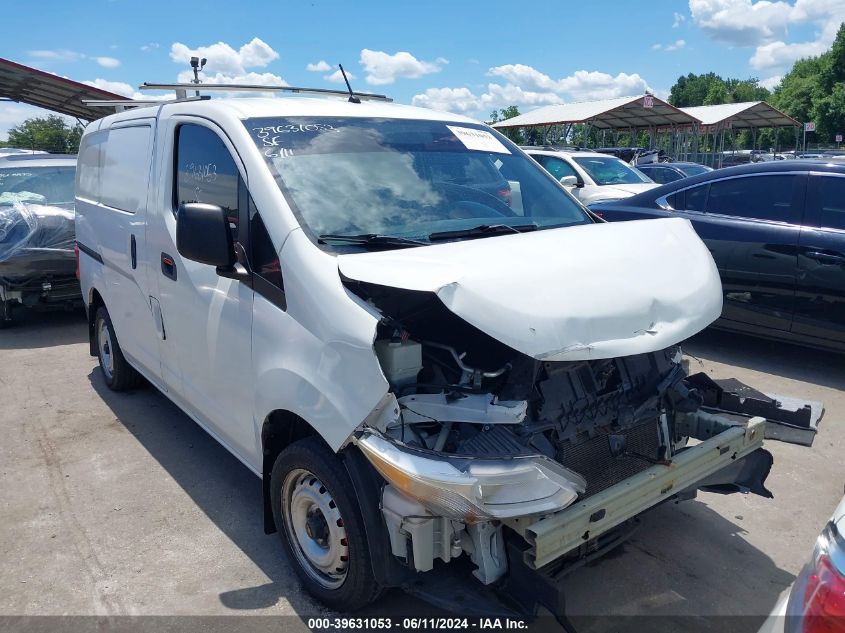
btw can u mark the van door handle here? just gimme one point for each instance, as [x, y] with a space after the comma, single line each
[133, 251]
[826, 258]
[168, 266]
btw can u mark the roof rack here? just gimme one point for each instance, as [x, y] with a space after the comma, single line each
[121, 104]
[183, 88]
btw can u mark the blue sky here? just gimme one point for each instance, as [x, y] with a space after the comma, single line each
[468, 57]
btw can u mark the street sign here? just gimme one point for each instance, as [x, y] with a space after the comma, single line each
[809, 126]
[648, 101]
[838, 138]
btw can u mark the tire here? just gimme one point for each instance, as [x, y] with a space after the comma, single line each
[117, 373]
[319, 522]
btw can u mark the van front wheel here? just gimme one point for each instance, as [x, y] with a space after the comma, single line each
[117, 373]
[319, 521]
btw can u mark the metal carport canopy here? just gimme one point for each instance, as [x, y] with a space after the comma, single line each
[36, 87]
[622, 113]
[742, 115]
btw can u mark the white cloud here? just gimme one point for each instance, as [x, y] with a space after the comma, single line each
[678, 19]
[581, 86]
[765, 24]
[781, 54]
[57, 56]
[223, 59]
[321, 66]
[250, 78]
[741, 22]
[460, 100]
[107, 62]
[674, 46]
[383, 68]
[771, 83]
[584, 85]
[524, 76]
[527, 87]
[337, 77]
[117, 87]
[151, 46]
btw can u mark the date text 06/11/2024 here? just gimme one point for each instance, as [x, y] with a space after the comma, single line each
[432, 624]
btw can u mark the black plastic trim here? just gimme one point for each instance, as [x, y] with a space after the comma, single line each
[90, 252]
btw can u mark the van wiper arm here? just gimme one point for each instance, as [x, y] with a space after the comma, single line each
[483, 230]
[371, 239]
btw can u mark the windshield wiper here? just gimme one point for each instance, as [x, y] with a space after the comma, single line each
[483, 230]
[371, 240]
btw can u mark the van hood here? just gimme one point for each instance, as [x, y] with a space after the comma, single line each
[581, 292]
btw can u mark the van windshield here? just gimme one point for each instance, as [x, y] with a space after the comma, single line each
[408, 179]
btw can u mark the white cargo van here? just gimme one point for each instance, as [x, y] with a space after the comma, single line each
[420, 342]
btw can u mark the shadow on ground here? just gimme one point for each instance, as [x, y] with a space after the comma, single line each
[772, 357]
[45, 329]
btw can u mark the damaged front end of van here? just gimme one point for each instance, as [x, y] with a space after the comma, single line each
[535, 414]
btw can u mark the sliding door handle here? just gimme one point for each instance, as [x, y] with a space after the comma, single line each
[168, 266]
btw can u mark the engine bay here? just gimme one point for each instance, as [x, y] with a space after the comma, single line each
[462, 393]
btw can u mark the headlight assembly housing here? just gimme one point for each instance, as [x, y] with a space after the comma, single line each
[473, 490]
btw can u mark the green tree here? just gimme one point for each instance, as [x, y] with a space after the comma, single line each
[692, 90]
[711, 89]
[508, 113]
[50, 133]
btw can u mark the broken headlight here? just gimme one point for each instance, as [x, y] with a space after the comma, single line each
[472, 490]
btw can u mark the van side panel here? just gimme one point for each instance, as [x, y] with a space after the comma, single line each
[311, 360]
[111, 198]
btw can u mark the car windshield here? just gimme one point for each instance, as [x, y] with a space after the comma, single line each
[410, 179]
[694, 170]
[41, 185]
[608, 170]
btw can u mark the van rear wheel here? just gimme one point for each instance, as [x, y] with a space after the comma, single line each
[117, 373]
[318, 519]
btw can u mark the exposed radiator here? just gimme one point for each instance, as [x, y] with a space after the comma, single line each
[592, 458]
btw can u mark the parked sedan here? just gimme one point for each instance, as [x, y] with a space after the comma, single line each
[590, 176]
[663, 173]
[816, 601]
[777, 233]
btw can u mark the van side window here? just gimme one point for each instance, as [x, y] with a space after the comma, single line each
[266, 268]
[205, 171]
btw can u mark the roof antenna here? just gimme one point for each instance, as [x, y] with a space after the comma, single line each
[352, 97]
[197, 64]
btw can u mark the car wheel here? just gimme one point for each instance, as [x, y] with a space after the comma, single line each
[319, 522]
[118, 374]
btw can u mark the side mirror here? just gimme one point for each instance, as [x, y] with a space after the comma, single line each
[203, 235]
[570, 181]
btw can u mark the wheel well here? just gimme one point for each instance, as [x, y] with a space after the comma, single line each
[93, 305]
[280, 430]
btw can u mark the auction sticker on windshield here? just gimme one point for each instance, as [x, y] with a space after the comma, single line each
[480, 140]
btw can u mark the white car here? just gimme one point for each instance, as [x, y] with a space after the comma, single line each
[592, 177]
[418, 341]
[816, 600]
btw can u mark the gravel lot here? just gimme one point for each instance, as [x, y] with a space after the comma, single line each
[120, 505]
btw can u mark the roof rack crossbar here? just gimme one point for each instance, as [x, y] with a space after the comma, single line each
[181, 88]
[120, 104]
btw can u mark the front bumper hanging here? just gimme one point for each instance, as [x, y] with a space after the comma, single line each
[723, 443]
